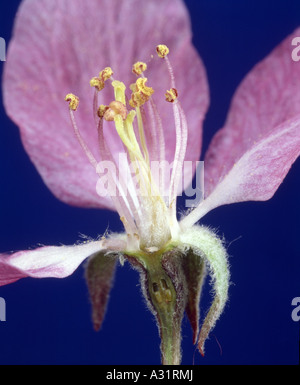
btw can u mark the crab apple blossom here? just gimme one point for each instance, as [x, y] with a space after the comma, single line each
[153, 91]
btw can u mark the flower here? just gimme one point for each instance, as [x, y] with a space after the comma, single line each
[247, 159]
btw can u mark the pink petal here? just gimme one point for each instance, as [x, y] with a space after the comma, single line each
[249, 158]
[58, 46]
[262, 128]
[48, 261]
[258, 173]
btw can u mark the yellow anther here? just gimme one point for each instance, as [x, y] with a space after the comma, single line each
[101, 110]
[162, 50]
[139, 67]
[73, 101]
[97, 83]
[106, 74]
[171, 95]
[115, 108]
[141, 93]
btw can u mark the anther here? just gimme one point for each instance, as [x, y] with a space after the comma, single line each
[139, 67]
[101, 110]
[99, 82]
[141, 93]
[106, 74]
[171, 95]
[115, 108]
[162, 50]
[73, 101]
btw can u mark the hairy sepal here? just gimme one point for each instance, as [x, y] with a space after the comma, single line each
[205, 244]
[194, 268]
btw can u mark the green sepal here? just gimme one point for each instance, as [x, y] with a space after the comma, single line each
[99, 274]
[195, 271]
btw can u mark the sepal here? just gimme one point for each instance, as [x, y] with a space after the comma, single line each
[208, 246]
[99, 273]
[195, 271]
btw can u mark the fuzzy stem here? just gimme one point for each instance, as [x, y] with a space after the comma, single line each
[163, 298]
[164, 288]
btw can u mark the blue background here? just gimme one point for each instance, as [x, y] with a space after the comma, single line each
[48, 320]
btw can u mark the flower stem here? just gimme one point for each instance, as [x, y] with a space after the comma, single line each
[166, 301]
[165, 289]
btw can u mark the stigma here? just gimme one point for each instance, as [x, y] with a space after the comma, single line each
[148, 211]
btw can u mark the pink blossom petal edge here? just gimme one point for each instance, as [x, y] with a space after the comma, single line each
[248, 159]
[49, 261]
[58, 46]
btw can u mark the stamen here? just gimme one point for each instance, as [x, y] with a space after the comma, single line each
[119, 200]
[181, 134]
[180, 155]
[140, 93]
[176, 170]
[146, 201]
[106, 74]
[73, 101]
[171, 95]
[99, 82]
[171, 72]
[95, 106]
[139, 67]
[158, 133]
[162, 50]
[101, 110]
[73, 105]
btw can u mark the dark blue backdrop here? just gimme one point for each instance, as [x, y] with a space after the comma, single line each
[48, 321]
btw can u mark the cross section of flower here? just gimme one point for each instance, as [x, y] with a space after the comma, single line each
[151, 117]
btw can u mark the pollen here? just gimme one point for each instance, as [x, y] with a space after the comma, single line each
[139, 67]
[115, 108]
[101, 110]
[140, 93]
[73, 101]
[162, 50]
[106, 74]
[99, 82]
[171, 95]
